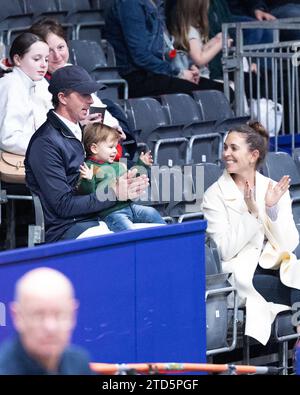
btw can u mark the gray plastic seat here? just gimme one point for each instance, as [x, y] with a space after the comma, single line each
[91, 56]
[145, 114]
[41, 9]
[14, 19]
[217, 290]
[202, 176]
[278, 164]
[296, 156]
[88, 22]
[204, 143]
[166, 142]
[181, 108]
[214, 106]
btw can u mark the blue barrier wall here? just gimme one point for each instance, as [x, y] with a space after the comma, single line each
[141, 293]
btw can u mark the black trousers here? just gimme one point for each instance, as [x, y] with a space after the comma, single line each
[144, 83]
[272, 289]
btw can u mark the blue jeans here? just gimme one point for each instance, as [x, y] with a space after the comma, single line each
[290, 10]
[254, 36]
[124, 218]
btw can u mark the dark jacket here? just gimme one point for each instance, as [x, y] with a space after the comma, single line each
[52, 163]
[239, 7]
[14, 360]
[135, 30]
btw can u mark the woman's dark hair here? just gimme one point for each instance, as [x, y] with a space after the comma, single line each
[46, 26]
[22, 43]
[257, 138]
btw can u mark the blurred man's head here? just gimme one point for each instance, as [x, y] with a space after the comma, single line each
[44, 314]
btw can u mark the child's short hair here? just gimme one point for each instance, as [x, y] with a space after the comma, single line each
[95, 133]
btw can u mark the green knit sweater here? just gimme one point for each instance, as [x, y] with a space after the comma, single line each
[105, 174]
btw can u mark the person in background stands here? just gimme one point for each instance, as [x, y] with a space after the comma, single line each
[269, 10]
[135, 28]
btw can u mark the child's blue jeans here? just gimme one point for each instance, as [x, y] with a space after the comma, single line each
[124, 218]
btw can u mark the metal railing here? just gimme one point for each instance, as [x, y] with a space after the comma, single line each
[276, 76]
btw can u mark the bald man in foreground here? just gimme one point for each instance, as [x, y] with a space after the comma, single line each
[44, 315]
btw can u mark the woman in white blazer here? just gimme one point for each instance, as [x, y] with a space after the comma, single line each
[249, 217]
[21, 111]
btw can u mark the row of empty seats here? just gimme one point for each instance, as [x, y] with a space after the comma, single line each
[100, 62]
[181, 129]
[85, 18]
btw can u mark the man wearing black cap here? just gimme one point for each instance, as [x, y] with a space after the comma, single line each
[54, 156]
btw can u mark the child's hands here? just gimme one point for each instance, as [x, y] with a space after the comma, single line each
[86, 172]
[146, 158]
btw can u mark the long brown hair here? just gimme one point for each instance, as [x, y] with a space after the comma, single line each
[185, 14]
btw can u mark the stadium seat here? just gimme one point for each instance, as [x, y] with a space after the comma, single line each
[13, 20]
[10, 193]
[41, 9]
[202, 176]
[296, 156]
[36, 233]
[180, 108]
[145, 114]
[205, 145]
[90, 55]
[214, 106]
[166, 142]
[87, 21]
[217, 290]
[278, 164]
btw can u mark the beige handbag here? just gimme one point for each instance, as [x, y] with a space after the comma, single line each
[12, 168]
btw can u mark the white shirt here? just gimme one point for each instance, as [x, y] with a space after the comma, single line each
[74, 127]
[21, 111]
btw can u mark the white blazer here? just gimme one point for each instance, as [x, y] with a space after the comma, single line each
[240, 240]
[23, 108]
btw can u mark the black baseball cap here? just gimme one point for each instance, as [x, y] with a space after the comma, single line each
[75, 78]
